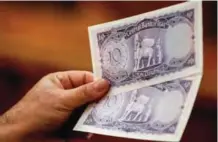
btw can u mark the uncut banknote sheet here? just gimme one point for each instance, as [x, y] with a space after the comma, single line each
[154, 64]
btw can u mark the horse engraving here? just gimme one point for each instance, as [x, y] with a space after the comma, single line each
[138, 110]
[147, 48]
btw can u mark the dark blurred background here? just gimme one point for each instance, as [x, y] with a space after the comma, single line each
[37, 38]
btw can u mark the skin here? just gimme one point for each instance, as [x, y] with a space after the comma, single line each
[48, 105]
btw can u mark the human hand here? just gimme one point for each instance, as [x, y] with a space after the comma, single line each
[48, 105]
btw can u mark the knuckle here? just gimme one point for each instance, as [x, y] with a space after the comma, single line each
[88, 72]
[87, 92]
[53, 74]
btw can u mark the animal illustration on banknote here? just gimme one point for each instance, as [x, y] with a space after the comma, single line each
[145, 48]
[152, 109]
[137, 105]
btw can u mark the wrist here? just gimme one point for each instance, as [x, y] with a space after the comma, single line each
[9, 132]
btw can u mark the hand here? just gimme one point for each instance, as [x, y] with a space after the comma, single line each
[46, 107]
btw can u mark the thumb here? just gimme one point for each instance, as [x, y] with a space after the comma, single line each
[86, 93]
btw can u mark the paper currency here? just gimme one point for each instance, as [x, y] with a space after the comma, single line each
[157, 112]
[154, 63]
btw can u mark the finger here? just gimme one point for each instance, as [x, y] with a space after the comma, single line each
[71, 79]
[86, 93]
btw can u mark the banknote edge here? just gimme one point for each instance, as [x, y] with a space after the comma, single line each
[153, 13]
[188, 107]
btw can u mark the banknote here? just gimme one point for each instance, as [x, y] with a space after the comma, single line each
[153, 62]
[153, 46]
[157, 112]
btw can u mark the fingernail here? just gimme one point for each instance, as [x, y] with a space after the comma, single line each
[101, 85]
